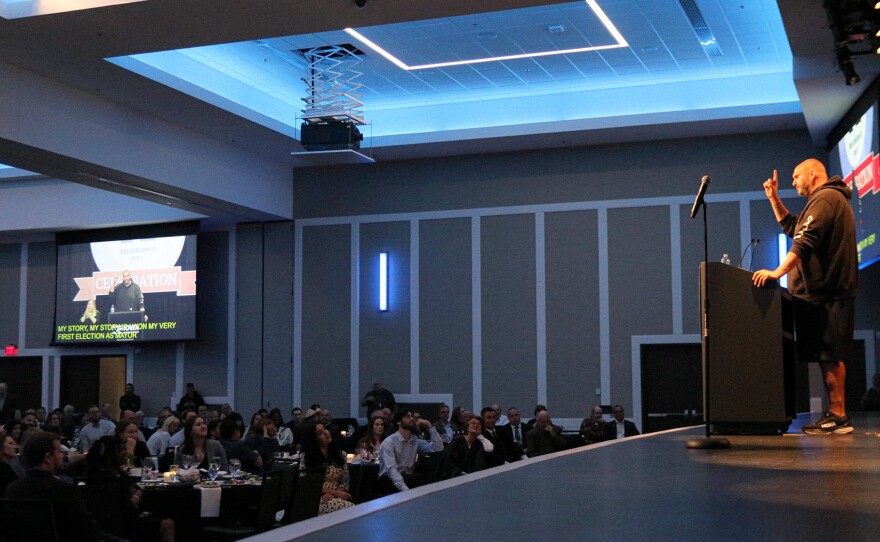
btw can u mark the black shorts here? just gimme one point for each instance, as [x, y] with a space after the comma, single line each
[824, 330]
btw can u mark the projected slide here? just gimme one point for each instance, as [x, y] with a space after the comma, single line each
[860, 168]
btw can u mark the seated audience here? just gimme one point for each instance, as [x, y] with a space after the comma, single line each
[197, 444]
[42, 453]
[14, 429]
[397, 455]
[371, 442]
[53, 424]
[319, 451]
[593, 427]
[177, 438]
[465, 453]
[497, 456]
[544, 437]
[254, 426]
[235, 448]
[619, 427]
[158, 441]
[460, 417]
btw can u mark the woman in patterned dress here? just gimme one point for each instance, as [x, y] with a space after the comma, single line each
[319, 450]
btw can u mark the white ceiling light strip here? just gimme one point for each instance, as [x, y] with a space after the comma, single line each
[603, 18]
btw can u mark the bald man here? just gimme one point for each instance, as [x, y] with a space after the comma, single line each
[822, 268]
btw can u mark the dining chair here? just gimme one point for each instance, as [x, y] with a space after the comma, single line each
[289, 475]
[26, 520]
[270, 496]
[306, 495]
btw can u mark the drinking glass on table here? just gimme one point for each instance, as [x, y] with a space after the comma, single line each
[234, 467]
[187, 461]
[147, 467]
[213, 468]
[175, 473]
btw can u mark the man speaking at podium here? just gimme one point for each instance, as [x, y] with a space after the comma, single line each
[823, 275]
[127, 295]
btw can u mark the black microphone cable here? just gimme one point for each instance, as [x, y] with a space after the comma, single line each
[752, 245]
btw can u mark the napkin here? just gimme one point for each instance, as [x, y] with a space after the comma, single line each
[210, 501]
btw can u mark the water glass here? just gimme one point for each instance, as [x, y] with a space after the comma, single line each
[213, 468]
[175, 473]
[188, 460]
[234, 467]
[147, 467]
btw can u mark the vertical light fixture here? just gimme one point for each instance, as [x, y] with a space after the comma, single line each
[383, 281]
[782, 242]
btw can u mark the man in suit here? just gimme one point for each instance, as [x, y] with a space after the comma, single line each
[619, 427]
[43, 455]
[499, 453]
[514, 432]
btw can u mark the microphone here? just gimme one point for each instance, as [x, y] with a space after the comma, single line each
[752, 246]
[699, 200]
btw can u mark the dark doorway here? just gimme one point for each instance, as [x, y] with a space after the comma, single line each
[672, 386]
[24, 376]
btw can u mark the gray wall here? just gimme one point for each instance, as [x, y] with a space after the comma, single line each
[537, 274]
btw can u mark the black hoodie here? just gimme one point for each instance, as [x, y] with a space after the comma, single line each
[824, 238]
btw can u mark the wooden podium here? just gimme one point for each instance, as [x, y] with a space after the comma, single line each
[748, 353]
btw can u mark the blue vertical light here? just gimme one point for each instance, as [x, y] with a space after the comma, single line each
[383, 281]
[782, 243]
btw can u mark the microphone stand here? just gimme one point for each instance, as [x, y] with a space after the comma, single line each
[707, 442]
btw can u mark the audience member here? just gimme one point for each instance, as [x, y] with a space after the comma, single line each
[397, 455]
[43, 455]
[500, 418]
[107, 412]
[70, 421]
[146, 431]
[197, 444]
[158, 441]
[191, 399]
[465, 453]
[8, 453]
[515, 433]
[320, 452]
[264, 440]
[105, 467]
[178, 437]
[129, 416]
[377, 398]
[41, 414]
[256, 423]
[230, 439]
[129, 400]
[372, 441]
[53, 424]
[593, 426]
[284, 434]
[96, 428]
[134, 450]
[498, 454]
[544, 437]
[460, 417]
[619, 427]
[442, 425]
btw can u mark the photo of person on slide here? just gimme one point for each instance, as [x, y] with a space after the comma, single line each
[127, 295]
[91, 313]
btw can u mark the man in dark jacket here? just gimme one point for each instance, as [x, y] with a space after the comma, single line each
[43, 455]
[822, 268]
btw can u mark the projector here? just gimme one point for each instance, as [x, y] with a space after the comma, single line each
[331, 136]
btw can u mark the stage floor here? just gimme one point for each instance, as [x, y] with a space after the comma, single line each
[786, 487]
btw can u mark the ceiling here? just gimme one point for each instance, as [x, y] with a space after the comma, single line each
[232, 70]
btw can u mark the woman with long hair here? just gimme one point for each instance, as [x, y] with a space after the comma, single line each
[197, 444]
[157, 444]
[15, 429]
[373, 439]
[8, 451]
[284, 435]
[133, 450]
[319, 451]
[91, 313]
[53, 424]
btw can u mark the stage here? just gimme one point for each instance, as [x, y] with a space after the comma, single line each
[786, 487]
